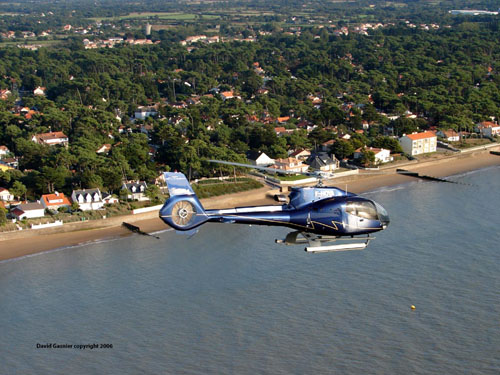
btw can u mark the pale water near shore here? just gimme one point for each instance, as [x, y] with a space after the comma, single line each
[230, 301]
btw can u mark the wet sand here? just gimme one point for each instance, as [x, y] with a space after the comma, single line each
[30, 242]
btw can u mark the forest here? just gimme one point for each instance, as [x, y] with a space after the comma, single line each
[447, 77]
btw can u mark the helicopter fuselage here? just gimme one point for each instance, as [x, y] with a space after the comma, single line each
[325, 211]
[339, 216]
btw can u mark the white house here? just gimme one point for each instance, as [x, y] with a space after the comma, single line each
[3, 151]
[88, 199]
[141, 113]
[109, 198]
[381, 154]
[28, 211]
[104, 149]
[290, 165]
[39, 91]
[419, 143]
[259, 158]
[301, 154]
[488, 128]
[136, 190]
[51, 139]
[5, 195]
[450, 135]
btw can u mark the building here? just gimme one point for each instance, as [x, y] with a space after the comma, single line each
[259, 158]
[39, 91]
[11, 162]
[104, 149]
[301, 154]
[322, 162]
[488, 129]
[225, 95]
[280, 130]
[450, 135]
[88, 199]
[326, 146]
[28, 211]
[55, 201]
[419, 143]
[3, 151]
[381, 154]
[4, 167]
[136, 190]
[290, 165]
[51, 139]
[5, 195]
[141, 113]
[4, 94]
[109, 198]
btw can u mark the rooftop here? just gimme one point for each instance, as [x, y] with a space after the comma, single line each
[424, 135]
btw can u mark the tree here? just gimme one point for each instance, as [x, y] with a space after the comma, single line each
[153, 192]
[367, 158]
[342, 149]
[3, 216]
[18, 189]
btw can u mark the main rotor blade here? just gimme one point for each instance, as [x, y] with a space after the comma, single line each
[405, 172]
[273, 170]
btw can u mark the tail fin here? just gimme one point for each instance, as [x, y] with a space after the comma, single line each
[182, 211]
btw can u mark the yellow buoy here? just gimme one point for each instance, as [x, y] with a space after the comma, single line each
[413, 307]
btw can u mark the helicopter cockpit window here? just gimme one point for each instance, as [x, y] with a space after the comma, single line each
[365, 210]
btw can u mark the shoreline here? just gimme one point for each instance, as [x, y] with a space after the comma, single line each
[22, 243]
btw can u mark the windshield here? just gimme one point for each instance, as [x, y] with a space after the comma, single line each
[363, 209]
[382, 213]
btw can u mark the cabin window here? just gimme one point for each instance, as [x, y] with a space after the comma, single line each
[365, 210]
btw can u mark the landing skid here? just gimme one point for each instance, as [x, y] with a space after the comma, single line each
[316, 242]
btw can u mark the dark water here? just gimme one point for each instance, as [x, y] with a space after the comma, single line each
[230, 301]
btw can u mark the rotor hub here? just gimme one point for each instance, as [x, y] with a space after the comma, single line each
[182, 213]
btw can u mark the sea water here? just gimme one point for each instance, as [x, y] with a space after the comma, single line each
[231, 301]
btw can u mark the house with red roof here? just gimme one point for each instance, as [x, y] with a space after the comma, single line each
[51, 139]
[283, 120]
[225, 95]
[419, 143]
[326, 146]
[55, 201]
[3, 151]
[290, 165]
[280, 130]
[450, 135]
[28, 211]
[301, 154]
[488, 128]
[4, 94]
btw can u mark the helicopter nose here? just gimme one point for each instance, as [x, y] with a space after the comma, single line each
[383, 216]
[385, 222]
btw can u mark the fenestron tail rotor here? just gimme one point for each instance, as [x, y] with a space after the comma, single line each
[182, 213]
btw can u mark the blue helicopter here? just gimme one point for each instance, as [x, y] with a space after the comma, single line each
[319, 215]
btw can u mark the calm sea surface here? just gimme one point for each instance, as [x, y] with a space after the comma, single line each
[231, 301]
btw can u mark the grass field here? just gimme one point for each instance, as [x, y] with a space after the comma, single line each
[43, 43]
[292, 177]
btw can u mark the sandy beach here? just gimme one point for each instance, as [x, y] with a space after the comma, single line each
[17, 244]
